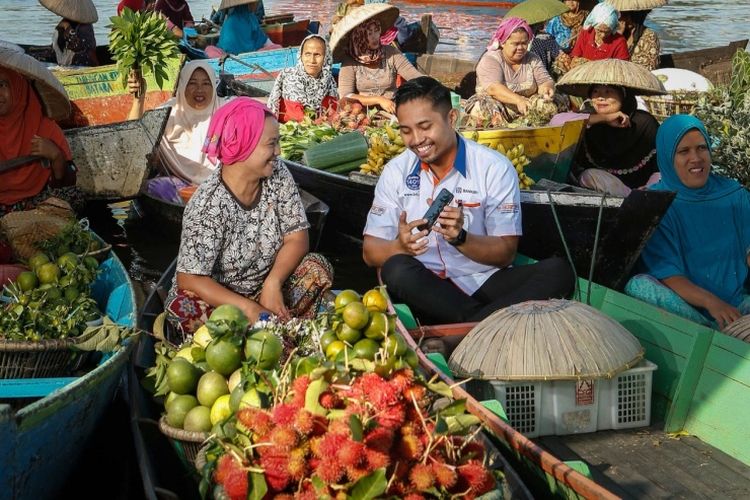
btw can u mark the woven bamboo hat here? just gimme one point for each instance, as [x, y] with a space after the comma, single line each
[739, 329]
[537, 11]
[226, 4]
[383, 12]
[80, 11]
[630, 5]
[615, 72]
[51, 92]
[546, 340]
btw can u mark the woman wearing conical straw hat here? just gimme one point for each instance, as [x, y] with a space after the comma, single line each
[618, 150]
[643, 42]
[31, 99]
[73, 40]
[369, 69]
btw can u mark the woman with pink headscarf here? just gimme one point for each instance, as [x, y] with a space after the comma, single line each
[508, 72]
[244, 232]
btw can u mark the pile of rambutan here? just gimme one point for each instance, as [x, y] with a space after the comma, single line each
[337, 437]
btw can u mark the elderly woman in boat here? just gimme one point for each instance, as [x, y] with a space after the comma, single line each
[696, 263]
[511, 74]
[369, 70]
[181, 147]
[643, 43]
[73, 40]
[309, 85]
[177, 13]
[244, 233]
[597, 40]
[566, 26]
[617, 152]
[30, 97]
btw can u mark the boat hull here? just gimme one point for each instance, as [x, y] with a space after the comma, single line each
[98, 96]
[113, 160]
[714, 63]
[41, 443]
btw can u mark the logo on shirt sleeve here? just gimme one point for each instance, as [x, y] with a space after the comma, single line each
[377, 210]
[412, 182]
[509, 208]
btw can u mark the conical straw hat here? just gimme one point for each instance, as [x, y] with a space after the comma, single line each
[51, 92]
[739, 329]
[80, 11]
[546, 340]
[383, 12]
[537, 11]
[630, 5]
[615, 72]
[226, 4]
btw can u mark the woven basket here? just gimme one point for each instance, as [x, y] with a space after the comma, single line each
[43, 359]
[739, 329]
[25, 229]
[664, 106]
[187, 443]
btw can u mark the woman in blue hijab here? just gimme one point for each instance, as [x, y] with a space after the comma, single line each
[697, 260]
[241, 31]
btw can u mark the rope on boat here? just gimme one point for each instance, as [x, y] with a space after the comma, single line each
[592, 266]
[577, 292]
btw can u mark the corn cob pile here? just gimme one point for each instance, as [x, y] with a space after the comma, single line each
[517, 156]
[384, 143]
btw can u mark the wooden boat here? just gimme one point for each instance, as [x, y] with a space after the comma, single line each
[697, 446]
[156, 460]
[168, 215]
[494, 4]
[46, 54]
[41, 441]
[113, 161]
[98, 96]
[714, 63]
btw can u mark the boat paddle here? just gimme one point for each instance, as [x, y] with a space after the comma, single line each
[21, 161]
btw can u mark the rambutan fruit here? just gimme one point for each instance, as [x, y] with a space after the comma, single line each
[297, 467]
[275, 469]
[376, 459]
[472, 450]
[421, 477]
[285, 438]
[355, 473]
[392, 417]
[283, 414]
[418, 391]
[378, 391]
[330, 445]
[224, 466]
[479, 479]
[340, 426]
[409, 447]
[235, 484]
[445, 475]
[304, 422]
[328, 400]
[257, 421]
[414, 496]
[351, 454]
[379, 439]
[299, 387]
[329, 470]
[284, 496]
[402, 379]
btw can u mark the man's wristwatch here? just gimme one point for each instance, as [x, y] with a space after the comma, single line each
[460, 239]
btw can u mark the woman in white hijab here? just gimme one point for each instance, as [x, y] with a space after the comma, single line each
[192, 108]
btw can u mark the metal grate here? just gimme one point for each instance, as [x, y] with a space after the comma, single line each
[631, 398]
[520, 406]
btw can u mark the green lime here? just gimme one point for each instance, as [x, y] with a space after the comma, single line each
[27, 281]
[377, 327]
[182, 376]
[345, 297]
[327, 338]
[356, 315]
[366, 348]
[334, 348]
[48, 273]
[223, 356]
[347, 334]
[264, 348]
[37, 260]
[91, 262]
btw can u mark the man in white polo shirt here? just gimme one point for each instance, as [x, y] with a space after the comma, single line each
[460, 270]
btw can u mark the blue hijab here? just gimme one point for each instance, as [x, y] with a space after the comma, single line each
[705, 234]
[241, 31]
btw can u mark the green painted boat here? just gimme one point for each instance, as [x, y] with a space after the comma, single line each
[697, 444]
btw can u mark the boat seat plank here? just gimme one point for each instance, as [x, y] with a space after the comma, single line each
[31, 387]
[647, 463]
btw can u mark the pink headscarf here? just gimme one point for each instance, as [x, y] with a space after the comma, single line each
[235, 130]
[506, 28]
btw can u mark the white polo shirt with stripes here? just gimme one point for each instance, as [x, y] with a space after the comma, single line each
[481, 178]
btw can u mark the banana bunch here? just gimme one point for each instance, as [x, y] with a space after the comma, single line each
[517, 156]
[384, 143]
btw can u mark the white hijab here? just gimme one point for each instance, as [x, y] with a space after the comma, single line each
[182, 143]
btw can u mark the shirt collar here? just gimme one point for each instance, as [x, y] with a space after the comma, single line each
[459, 163]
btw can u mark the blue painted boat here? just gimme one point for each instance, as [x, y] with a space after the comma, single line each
[40, 442]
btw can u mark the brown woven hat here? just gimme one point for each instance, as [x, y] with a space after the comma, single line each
[537, 11]
[51, 92]
[80, 11]
[546, 340]
[615, 72]
[226, 4]
[383, 12]
[631, 5]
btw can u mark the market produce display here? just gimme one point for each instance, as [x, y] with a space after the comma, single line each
[482, 111]
[385, 143]
[517, 156]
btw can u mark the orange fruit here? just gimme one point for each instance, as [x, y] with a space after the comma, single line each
[223, 356]
[356, 315]
[37, 260]
[67, 261]
[178, 408]
[232, 315]
[198, 419]
[395, 345]
[377, 327]
[48, 273]
[326, 339]
[182, 376]
[366, 348]
[334, 348]
[265, 348]
[210, 386]
[345, 297]
[375, 301]
[348, 334]
[27, 281]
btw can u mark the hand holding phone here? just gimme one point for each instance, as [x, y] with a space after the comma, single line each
[441, 201]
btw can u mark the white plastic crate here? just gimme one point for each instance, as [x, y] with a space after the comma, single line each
[572, 407]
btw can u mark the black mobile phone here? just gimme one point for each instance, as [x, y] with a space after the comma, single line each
[441, 201]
